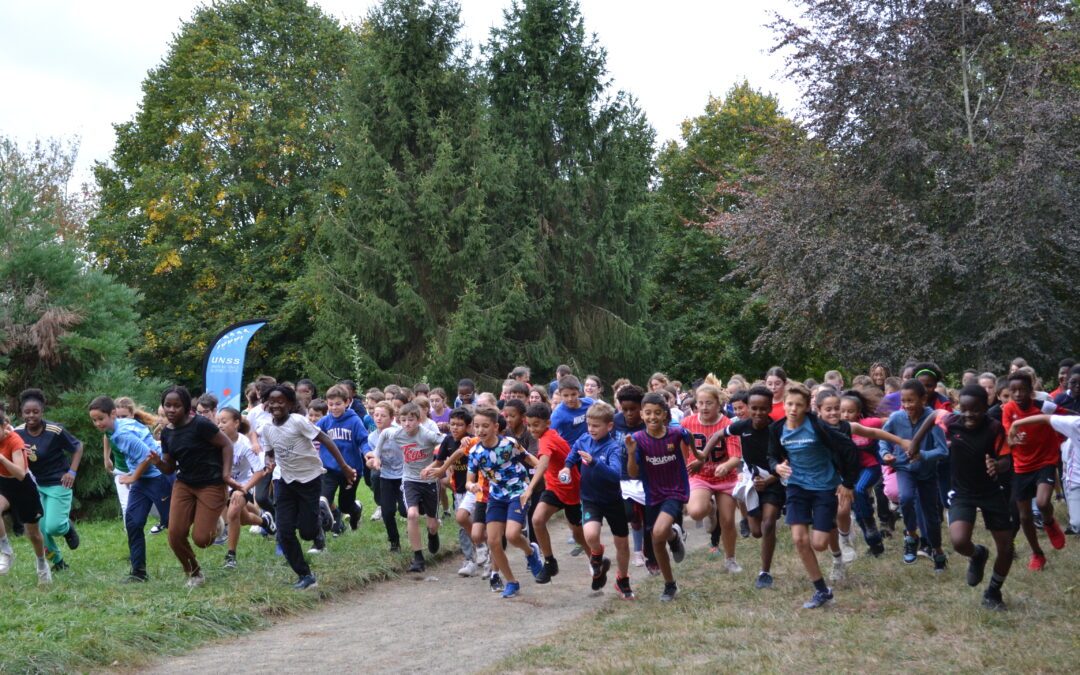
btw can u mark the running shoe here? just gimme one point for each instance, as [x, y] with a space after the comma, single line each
[600, 572]
[992, 600]
[876, 547]
[977, 565]
[1054, 534]
[744, 528]
[469, 569]
[71, 537]
[269, 524]
[219, 532]
[6, 559]
[1037, 562]
[496, 582]
[911, 548]
[230, 561]
[819, 599]
[545, 574]
[652, 568]
[306, 583]
[535, 561]
[678, 550]
[941, 561]
[764, 580]
[839, 570]
[416, 566]
[134, 577]
[847, 550]
[433, 542]
[61, 565]
[357, 518]
[196, 580]
[44, 575]
[378, 513]
[576, 551]
[671, 589]
[326, 514]
[511, 590]
[157, 529]
[622, 585]
[637, 559]
[482, 555]
[732, 567]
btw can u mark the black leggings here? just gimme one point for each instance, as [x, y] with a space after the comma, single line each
[264, 493]
[297, 509]
[332, 482]
[390, 500]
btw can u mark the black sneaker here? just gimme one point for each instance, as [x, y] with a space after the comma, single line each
[137, 577]
[433, 542]
[60, 566]
[552, 567]
[230, 561]
[992, 600]
[355, 520]
[395, 547]
[622, 585]
[911, 548]
[545, 574]
[306, 583]
[326, 514]
[744, 528]
[600, 580]
[338, 528]
[496, 583]
[157, 529]
[671, 589]
[941, 561]
[416, 566]
[72, 536]
[268, 523]
[876, 549]
[819, 599]
[678, 551]
[764, 580]
[977, 565]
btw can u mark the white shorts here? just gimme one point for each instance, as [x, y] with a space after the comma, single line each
[633, 490]
[465, 502]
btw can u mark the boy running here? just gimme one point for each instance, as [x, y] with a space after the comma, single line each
[347, 429]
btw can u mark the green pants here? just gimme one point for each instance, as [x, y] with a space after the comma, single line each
[56, 504]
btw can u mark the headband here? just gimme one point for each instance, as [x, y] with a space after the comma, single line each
[927, 371]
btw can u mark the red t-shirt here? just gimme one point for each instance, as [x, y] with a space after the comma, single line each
[867, 446]
[778, 411]
[1043, 445]
[701, 433]
[552, 444]
[8, 447]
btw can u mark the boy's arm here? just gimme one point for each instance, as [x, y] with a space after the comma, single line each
[632, 468]
[346, 470]
[609, 463]
[881, 435]
[541, 466]
[107, 456]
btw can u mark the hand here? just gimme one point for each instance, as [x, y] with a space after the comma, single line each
[761, 483]
[631, 444]
[585, 457]
[350, 475]
[154, 457]
[844, 495]
[889, 459]
[564, 475]
[375, 463]
[525, 498]
[67, 480]
[472, 487]
[722, 470]
[126, 479]
[1017, 437]
[783, 469]
[905, 445]
[991, 467]
[108, 465]
[912, 453]
[428, 472]
[694, 466]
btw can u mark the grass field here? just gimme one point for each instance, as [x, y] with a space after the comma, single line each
[888, 617]
[88, 619]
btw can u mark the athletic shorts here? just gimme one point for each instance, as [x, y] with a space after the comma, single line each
[248, 497]
[23, 497]
[997, 514]
[572, 511]
[774, 494]
[479, 513]
[505, 510]
[1024, 485]
[812, 507]
[423, 495]
[465, 501]
[633, 490]
[699, 483]
[614, 514]
[672, 507]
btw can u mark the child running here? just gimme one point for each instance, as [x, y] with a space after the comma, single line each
[451, 459]
[658, 456]
[628, 421]
[598, 457]
[976, 444]
[349, 434]
[17, 491]
[248, 469]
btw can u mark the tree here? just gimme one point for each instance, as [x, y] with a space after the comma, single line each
[934, 212]
[208, 203]
[60, 317]
[414, 262]
[583, 164]
[706, 311]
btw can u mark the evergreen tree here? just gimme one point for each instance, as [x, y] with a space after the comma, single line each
[207, 204]
[583, 163]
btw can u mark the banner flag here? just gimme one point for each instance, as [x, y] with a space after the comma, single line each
[223, 365]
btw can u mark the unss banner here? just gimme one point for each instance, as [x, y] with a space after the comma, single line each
[223, 366]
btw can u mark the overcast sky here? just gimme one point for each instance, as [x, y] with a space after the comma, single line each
[73, 68]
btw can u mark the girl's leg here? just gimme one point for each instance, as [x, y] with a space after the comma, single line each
[1044, 500]
[464, 521]
[591, 530]
[907, 485]
[1072, 499]
[56, 505]
[37, 540]
[661, 534]
[237, 508]
[622, 554]
[181, 515]
[210, 502]
[700, 505]
[495, 531]
[1003, 542]
[121, 495]
[727, 506]
[414, 528]
[869, 477]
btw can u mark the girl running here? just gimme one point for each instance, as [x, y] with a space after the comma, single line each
[18, 492]
[776, 381]
[248, 469]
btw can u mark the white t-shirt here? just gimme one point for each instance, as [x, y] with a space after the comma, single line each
[1069, 427]
[245, 462]
[294, 451]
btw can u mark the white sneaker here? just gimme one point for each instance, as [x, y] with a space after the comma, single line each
[638, 559]
[255, 529]
[44, 574]
[196, 580]
[839, 570]
[316, 551]
[483, 555]
[469, 569]
[732, 567]
[847, 551]
[570, 540]
[378, 513]
[5, 561]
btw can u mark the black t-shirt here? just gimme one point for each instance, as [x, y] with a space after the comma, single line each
[968, 449]
[754, 442]
[48, 452]
[198, 460]
[447, 448]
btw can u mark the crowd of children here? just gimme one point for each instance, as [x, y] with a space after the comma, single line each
[734, 457]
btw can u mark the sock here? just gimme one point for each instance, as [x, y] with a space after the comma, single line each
[995, 582]
[41, 561]
[419, 555]
[5, 544]
[762, 572]
[232, 553]
[837, 555]
[819, 585]
[843, 535]
[599, 553]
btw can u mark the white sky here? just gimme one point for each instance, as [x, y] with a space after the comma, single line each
[72, 68]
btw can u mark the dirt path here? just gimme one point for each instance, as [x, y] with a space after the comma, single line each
[392, 626]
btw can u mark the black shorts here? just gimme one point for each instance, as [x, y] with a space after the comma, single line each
[1025, 485]
[773, 494]
[672, 507]
[423, 495]
[997, 513]
[479, 514]
[572, 511]
[816, 508]
[613, 513]
[23, 497]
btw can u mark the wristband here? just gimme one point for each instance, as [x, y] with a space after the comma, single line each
[73, 472]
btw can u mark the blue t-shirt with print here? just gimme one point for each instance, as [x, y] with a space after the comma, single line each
[570, 422]
[809, 458]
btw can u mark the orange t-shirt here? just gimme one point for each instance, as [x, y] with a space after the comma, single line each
[11, 444]
[777, 411]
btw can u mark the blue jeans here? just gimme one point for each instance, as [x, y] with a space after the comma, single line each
[142, 495]
[864, 510]
[920, 505]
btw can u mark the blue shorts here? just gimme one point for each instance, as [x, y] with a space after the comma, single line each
[672, 507]
[501, 511]
[812, 507]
